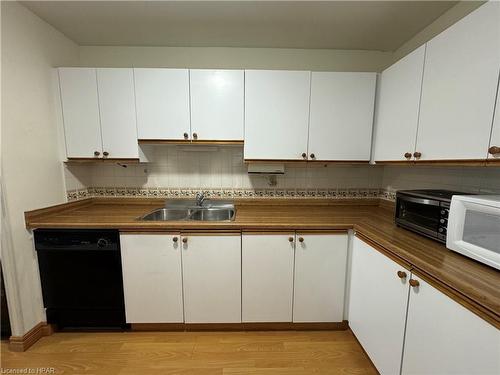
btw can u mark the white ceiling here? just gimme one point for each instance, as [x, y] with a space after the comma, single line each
[366, 25]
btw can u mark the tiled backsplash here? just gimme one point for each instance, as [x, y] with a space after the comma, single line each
[181, 171]
[466, 179]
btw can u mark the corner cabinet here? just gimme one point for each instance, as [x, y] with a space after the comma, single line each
[276, 114]
[98, 113]
[341, 116]
[409, 327]
[211, 269]
[459, 88]
[396, 119]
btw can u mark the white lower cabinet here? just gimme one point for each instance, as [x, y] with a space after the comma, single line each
[211, 269]
[319, 279]
[439, 336]
[443, 337]
[152, 278]
[267, 277]
[377, 306]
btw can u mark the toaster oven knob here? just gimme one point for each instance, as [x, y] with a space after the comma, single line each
[441, 230]
[442, 221]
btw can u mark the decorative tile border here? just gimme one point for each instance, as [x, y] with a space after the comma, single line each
[107, 192]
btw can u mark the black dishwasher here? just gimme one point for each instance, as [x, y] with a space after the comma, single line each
[81, 275]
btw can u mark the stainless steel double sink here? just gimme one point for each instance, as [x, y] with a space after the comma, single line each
[188, 210]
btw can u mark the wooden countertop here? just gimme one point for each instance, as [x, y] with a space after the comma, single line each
[474, 285]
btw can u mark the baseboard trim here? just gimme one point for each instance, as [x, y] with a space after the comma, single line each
[285, 326]
[24, 342]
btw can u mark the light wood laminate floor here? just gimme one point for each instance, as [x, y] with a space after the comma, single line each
[201, 353]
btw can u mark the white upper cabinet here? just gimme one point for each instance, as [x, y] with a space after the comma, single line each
[152, 278]
[494, 149]
[459, 87]
[217, 104]
[443, 337]
[377, 306]
[341, 116]
[211, 266]
[117, 111]
[276, 114]
[397, 108]
[319, 277]
[80, 108]
[162, 100]
[267, 277]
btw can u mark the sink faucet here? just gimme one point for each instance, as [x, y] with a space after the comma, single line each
[200, 198]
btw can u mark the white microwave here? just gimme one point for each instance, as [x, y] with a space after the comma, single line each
[474, 227]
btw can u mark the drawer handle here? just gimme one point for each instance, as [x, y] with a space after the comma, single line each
[414, 283]
[105, 153]
[186, 135]
[175, 239]
[97, 153]
[408, 155]
[184, 240]
[312, 156]
[417, 154]
[304, 155]
[402, 274]
[301, 239]
[195, 136]
[290, 239]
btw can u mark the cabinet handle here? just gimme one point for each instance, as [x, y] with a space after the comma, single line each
[407, 155]
[290, 239]
[304, 155]
[195, 136]
[493, 150]
[184, 240]
[175, 239]
[402, 274]
[301, 239]
[417, 154]
[312, 156]
[97, 153]
[186, 135]
[414, 283]
[105, 153]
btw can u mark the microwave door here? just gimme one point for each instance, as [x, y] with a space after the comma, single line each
[475, 232]
[420, 214]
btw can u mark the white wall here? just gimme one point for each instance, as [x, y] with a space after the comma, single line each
[256, 58]
[32, 171]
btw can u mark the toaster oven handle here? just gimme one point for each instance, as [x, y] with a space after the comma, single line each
[430, 202]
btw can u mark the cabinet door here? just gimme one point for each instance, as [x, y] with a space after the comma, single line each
[276, 114]
[217, 104]
[495, 132]
[341, 117]
[267, 277]
[319, 281]
[117, 109]
[443, 337]
[377, 306]
[459, 87]
[80, 107]
[162, 100]
[211, 268]
[152, 278]
[398, 102]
